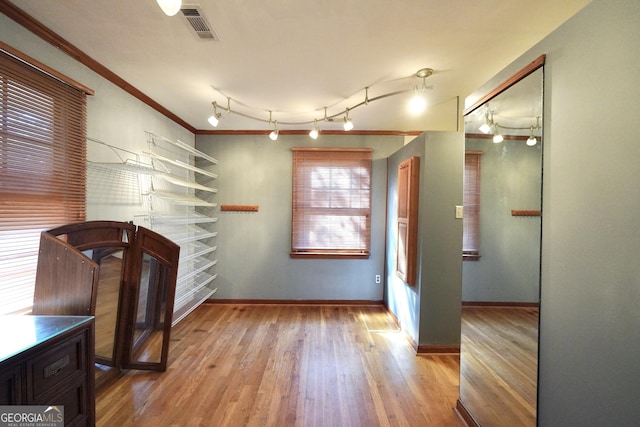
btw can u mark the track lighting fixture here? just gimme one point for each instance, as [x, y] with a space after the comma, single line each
[334, 117]
[348, 124]
[215, 118]
[314, 132]
[170, 7]
[274, 133]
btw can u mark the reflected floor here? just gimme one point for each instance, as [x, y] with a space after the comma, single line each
[499, 363]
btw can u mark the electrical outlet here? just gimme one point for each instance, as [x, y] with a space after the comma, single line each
[378, 278]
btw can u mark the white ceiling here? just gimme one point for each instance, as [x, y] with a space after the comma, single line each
[295, 57]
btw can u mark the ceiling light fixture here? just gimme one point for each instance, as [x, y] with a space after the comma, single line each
[170, 7]
[418, 102]
[215, 118]
[314, 132]
[348, 124]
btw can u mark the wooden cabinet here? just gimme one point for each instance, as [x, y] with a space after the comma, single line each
[48, 360]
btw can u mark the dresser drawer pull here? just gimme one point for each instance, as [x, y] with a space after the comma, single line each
[56, 367]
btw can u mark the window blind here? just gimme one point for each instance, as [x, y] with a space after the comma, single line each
[42, 170]
[331, 201]
[471, 202]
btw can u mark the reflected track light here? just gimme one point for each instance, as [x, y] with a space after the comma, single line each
[531, 141]
[497, 138]
[485, 128]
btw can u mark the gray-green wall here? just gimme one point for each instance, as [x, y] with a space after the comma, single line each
[429, 312]
[509, 266]
[253, 248]
[590, 275]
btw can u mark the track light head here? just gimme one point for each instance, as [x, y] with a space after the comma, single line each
[170, 7]
[215, 118]
[497, 138]
[274, 133]
[348, 124]
[314, 132]
[531, 141]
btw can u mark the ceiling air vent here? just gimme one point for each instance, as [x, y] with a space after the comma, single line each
[193, 16]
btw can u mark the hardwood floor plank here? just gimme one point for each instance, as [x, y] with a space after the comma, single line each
[287, 365]
[499, 365]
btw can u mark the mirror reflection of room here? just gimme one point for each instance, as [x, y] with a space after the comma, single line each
[500, 286]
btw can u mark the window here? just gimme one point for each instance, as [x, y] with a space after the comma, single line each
[331, 202]
[42, 170]
[471, 202]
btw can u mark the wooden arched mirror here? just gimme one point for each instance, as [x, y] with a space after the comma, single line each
[124, 276]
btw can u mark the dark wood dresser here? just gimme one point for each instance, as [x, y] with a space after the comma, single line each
[49, 360]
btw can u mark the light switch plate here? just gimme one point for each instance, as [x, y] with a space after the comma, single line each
[459, 212]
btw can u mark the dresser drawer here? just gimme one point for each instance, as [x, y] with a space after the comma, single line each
[73, 397]
[62, 363]
[10, 386]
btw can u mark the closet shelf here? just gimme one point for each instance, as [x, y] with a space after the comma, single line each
[192, 250]
[185, 183]
[186, 234]
[140, 169]
[183, 146]
[182, 199]
[191, 217]
[180, 164]
[199, 265]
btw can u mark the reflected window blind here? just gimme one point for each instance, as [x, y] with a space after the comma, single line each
[331, 201]
[42, 170]
[471, 202]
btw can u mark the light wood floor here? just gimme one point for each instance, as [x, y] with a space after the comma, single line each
[291, 365]
[499, 364]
